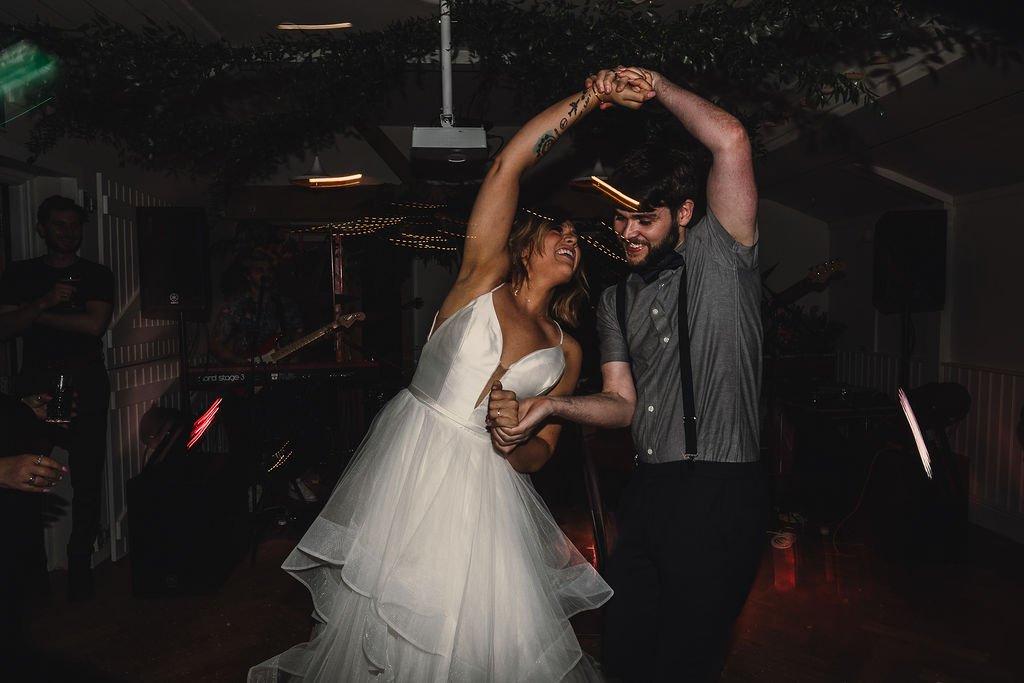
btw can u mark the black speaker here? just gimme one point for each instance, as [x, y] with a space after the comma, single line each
[910, 261]
[174, 262]
[185, 525]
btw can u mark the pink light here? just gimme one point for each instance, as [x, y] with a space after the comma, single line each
[922, 450]
[203, 423]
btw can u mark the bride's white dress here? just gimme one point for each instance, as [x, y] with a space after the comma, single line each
[434, 560]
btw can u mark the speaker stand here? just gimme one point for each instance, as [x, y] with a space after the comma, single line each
[186, 398]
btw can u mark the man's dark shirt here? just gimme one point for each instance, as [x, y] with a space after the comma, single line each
[26, 281]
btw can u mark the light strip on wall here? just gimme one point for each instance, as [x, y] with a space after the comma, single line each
[291, 26]
[328, 181]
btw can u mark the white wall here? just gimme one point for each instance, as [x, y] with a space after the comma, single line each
[850, 296]
[81, 160]
[346, 155]
[867, 330]
[141, 355]
[792, 242]
[983, 349]
[982, 323]
[976, 341]
[985, 325]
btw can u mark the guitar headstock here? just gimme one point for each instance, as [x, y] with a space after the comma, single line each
[825, 271]
[349, 319]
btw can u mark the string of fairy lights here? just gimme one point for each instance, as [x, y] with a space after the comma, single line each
[281, 455]
[438, 230]
[416, 236]
[420, 244]
[365, 225]
[602, 248]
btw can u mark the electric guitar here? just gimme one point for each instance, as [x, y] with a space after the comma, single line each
[816, 278]
[275, 355]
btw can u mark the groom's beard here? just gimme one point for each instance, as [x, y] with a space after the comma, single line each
[655, 252]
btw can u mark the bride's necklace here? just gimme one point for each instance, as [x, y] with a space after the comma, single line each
[515, 293]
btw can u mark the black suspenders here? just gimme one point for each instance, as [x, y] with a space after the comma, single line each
[685, 368]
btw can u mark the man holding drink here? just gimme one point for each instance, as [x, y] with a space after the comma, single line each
[61, 305]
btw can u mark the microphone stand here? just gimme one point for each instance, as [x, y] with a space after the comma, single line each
[255, 500]
[186, 396]
[254, 339]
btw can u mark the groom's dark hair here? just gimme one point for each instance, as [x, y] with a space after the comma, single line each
[658, 177]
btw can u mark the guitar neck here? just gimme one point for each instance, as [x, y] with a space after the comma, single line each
[817, 278]
[300, 343]
[303, 342]
[791, 293]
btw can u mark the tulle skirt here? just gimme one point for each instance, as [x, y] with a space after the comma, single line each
[434, 560]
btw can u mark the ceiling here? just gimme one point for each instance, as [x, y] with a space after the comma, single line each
[237, 21]
[953, 134]
[937, 138]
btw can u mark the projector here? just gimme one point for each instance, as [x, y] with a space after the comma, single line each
[451, 154]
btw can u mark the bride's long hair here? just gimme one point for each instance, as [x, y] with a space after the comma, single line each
[527, 237]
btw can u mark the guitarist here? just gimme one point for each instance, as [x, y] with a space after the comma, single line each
[259, 420]
[253, 320]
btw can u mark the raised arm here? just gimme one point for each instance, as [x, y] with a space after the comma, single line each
[731, 190]
[485, 260]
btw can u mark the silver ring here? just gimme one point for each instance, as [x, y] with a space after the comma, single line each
[31, 478]
[498, 411]
[39, 459]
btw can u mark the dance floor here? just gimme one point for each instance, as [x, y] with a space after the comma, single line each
[822, 610]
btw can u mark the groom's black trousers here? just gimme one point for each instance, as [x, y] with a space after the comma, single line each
[690, 537]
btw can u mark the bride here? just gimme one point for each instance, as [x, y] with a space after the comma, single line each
[435, 559]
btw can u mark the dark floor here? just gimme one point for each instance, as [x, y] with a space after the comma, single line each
[849, 609]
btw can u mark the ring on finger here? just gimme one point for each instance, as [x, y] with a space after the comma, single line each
[39, 459]
[31, 478]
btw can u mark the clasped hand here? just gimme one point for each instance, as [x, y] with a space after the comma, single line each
[511, 420]
[622, 86]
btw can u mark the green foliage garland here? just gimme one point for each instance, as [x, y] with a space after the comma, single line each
[235, 113]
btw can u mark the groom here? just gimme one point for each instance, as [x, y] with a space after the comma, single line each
[681, 363]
